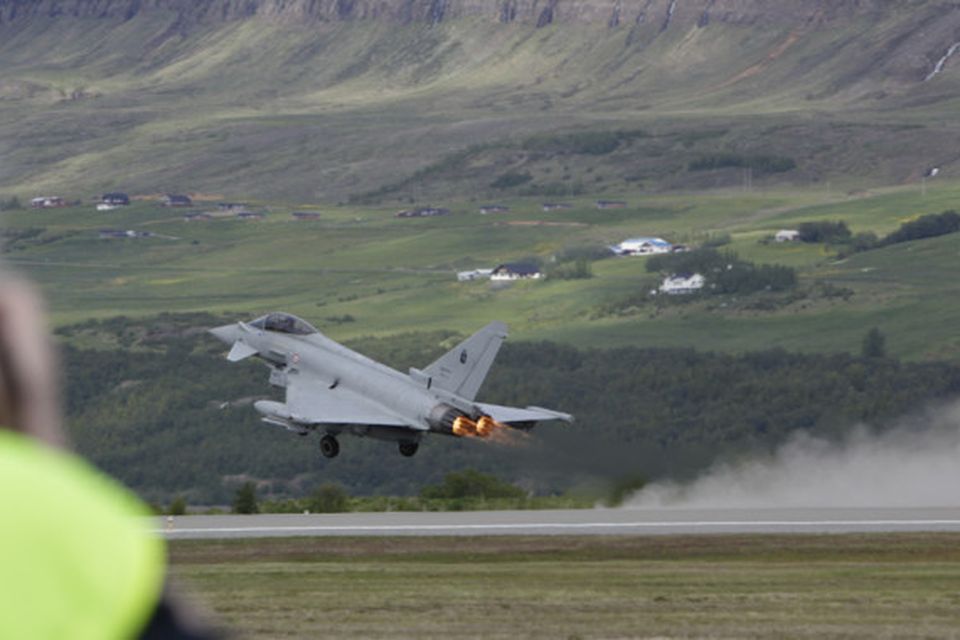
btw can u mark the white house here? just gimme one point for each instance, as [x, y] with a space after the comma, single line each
[642, 247]
[516, 271]
[105, 206]
[681, 284]
[476, 274]
[48, 202]
[787, 235]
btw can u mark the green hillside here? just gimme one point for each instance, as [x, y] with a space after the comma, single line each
[360, 271]
[374, 110]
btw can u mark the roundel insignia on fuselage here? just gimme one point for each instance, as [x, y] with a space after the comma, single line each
[463, 357]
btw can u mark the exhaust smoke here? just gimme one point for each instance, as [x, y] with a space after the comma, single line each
[915, 464]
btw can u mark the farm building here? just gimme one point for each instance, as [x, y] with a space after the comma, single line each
[176, 200]
[644, 246]
[476, 274]
[682, 284]
[423, 212]
[787, 235]
[305, 215]
[48, 202]
[556, 206]
[116, 198]
[516, 271]
[112, 234]
[493, 208]
[610, 204]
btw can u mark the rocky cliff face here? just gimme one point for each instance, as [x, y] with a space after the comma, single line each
[539, 13]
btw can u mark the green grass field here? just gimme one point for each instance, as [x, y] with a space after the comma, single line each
[836, 586]
[359, 271]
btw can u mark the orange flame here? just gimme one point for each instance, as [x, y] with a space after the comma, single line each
[465, 427]
[485, 427]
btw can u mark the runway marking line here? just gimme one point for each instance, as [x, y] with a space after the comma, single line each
[559, 525]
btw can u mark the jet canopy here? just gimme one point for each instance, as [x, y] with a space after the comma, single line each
[284, 323]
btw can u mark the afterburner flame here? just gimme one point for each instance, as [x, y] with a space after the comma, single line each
[487, 425]
[465, 427]
[482, 428]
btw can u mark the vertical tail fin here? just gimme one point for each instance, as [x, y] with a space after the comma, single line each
[463, 369]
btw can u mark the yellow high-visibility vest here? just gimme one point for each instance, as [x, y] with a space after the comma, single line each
[77, 559]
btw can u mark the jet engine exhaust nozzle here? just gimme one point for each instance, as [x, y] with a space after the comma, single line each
[465, 427]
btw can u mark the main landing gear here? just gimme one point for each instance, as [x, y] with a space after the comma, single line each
[329, 446]
[408, 449]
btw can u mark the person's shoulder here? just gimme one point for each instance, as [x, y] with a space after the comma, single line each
[38, 473]
[76, 541]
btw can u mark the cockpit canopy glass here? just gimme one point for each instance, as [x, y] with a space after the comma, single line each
[283, 323]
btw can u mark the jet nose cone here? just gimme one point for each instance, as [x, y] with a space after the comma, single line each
[226, 334]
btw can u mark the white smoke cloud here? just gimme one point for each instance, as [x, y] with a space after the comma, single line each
[916, 464]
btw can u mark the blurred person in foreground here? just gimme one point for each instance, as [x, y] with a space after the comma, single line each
[77, 557]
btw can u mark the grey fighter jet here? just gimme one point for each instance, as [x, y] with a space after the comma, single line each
[334, 390]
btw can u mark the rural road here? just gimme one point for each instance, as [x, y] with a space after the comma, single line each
[573, 522]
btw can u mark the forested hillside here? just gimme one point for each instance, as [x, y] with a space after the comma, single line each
[168, 415]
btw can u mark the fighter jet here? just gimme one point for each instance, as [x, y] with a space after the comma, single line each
[334, 390]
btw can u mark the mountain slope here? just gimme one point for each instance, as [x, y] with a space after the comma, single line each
[326, 100]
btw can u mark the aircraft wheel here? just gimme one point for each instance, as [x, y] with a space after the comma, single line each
[408, 449]
[329, 446]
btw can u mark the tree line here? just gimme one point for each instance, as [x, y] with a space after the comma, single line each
[838, 233]
[169, 416]
[725, 272]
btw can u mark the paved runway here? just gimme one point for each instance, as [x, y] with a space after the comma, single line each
[573, 522]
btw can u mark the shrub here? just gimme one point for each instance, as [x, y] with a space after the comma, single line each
[929, 226]
[177, 507]
[10, 204]
[579, 269]
[864, 241]
[622, 488]
[470, 484]
[328, 498]
[245, 499]
[824, 231]
[718, 240]
[874, 344]
[511, 179]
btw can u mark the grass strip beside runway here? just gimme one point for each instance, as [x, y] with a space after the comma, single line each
[851, 586]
